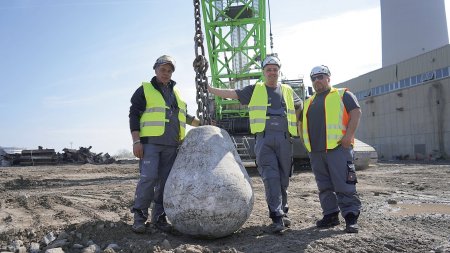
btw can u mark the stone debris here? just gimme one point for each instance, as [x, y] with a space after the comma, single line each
[84, 155]
[43, 156]
[74, 244]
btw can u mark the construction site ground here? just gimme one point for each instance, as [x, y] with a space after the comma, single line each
[406, 208]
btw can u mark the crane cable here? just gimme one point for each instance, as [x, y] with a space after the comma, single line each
[270, 28]
[201, 65]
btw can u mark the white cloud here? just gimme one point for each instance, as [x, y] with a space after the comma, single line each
[349, 44]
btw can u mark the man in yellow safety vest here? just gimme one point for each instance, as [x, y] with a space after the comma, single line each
[158, 118]
[330, 119]
[273, 112]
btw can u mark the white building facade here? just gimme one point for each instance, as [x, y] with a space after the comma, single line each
[406, 107]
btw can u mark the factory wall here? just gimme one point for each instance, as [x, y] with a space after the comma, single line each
[405, 107]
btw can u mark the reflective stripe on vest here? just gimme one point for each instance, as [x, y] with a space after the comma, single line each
[336, 120]
[182, 106]
[288, 97]
[258, 108]
[153, 120]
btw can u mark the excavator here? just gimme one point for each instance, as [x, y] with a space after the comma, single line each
[235, 33]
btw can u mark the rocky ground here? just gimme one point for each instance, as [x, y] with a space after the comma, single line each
[86, 209]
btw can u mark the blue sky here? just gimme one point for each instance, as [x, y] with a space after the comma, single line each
[69, 67]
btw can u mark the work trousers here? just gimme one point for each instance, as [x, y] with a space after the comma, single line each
[330, 171]
[273, 152]
[154, 170]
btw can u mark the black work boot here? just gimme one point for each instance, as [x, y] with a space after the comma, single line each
[163, 225]
[138, 227]
[328, 220]
[140, 217]
[351, 225]
[286, 220]
[277, 224]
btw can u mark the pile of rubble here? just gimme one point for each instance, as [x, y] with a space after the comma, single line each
[43, 156]
[84, 155]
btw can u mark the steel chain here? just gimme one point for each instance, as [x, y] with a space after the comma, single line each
[200, 65]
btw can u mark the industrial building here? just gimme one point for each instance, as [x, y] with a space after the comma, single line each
[405, 104]
[406, 107]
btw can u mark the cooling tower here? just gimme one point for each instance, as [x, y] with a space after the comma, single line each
[411, 27]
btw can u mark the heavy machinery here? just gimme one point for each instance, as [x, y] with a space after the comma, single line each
[235, 32]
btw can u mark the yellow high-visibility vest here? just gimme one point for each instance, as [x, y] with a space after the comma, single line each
[336, 118]
[258, 108]
[153, 120]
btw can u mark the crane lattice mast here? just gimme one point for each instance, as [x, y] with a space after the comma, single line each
[235, 34]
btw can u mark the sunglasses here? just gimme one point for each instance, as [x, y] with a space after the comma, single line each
[317, 77]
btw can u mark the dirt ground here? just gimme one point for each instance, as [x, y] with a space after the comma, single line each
[67, 208]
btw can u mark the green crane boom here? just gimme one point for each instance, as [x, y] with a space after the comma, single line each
[235, 34]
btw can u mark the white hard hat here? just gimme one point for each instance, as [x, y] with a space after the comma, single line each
[322, 69]
[165, 59]
[271, 60]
